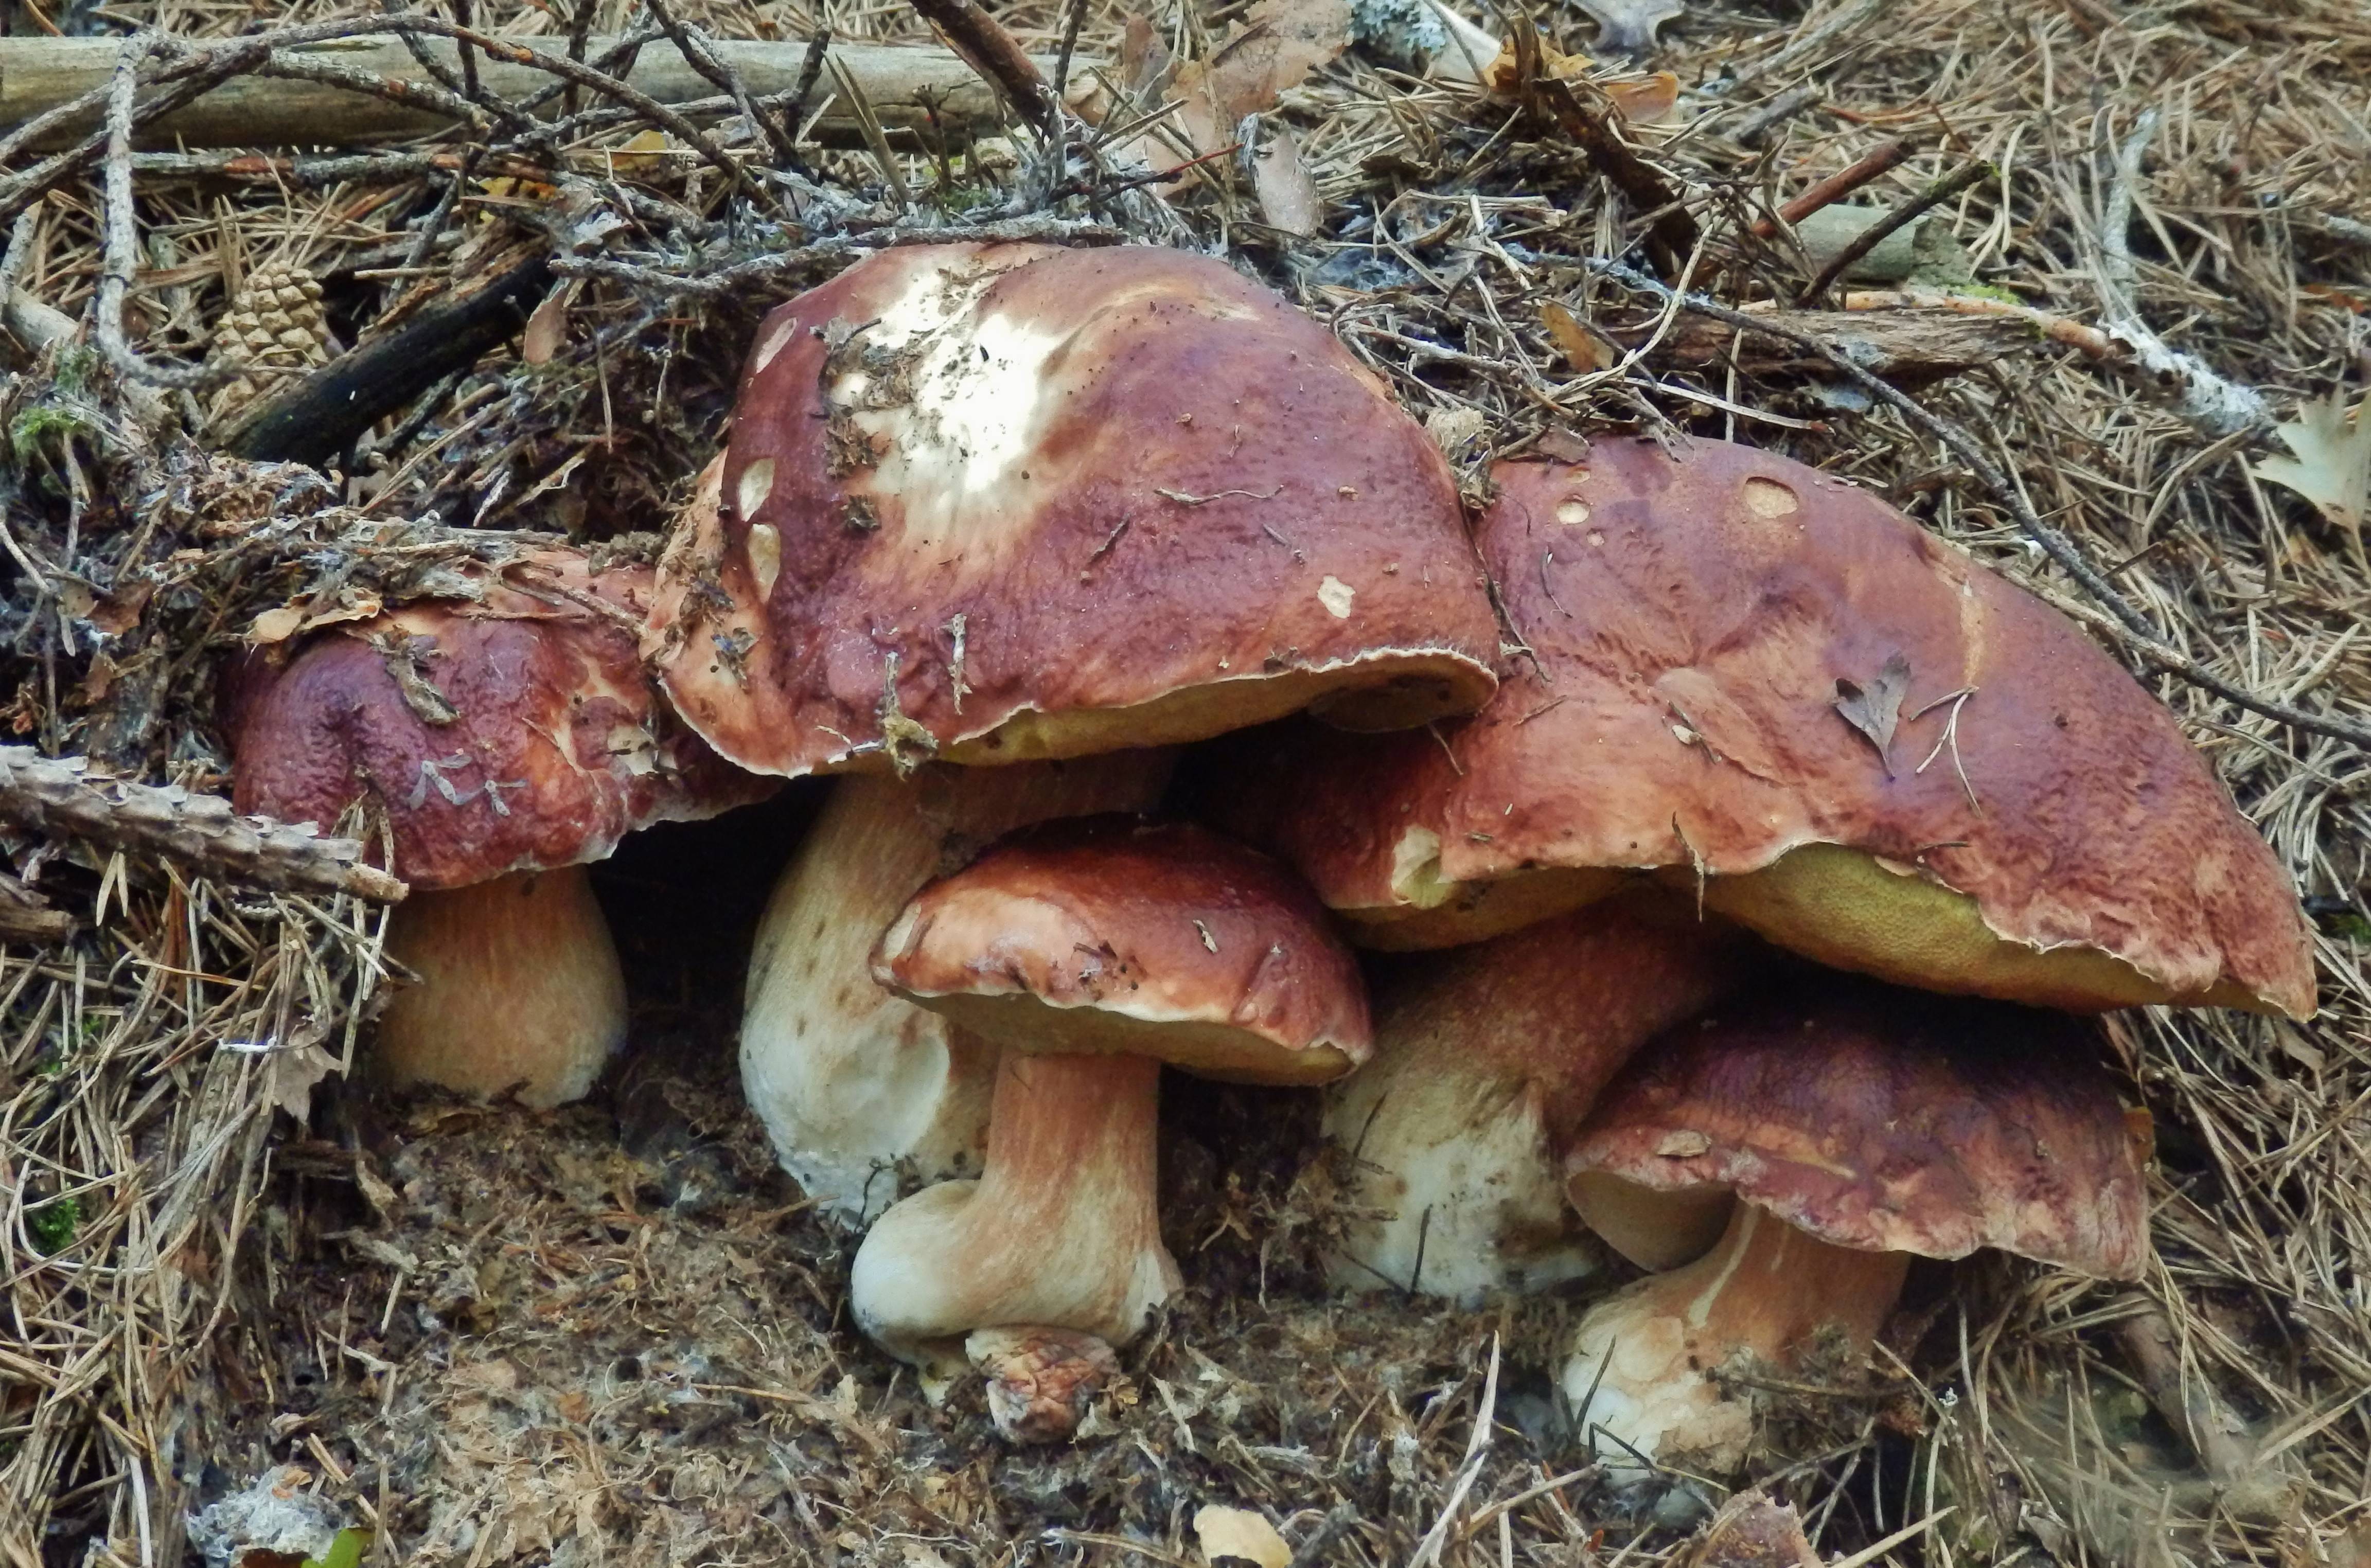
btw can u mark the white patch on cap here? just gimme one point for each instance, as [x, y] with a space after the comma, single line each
[1768, 498]
[765, 547]
[955, 455]
[1572, 511]
[772, 344]
[1336, 595]
[756, 484]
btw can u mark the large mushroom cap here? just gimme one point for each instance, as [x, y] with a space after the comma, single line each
[1005, 502]
[1868, 747]
[1106, 934]
[513, 732]
[1890, 1120]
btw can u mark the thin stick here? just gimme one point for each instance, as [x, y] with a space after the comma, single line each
[1878, 233]
[1835, 188]
[122, 254]
[703, 60]
[987, 49]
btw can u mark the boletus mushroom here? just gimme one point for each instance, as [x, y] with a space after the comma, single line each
[1487, 1059]
[1093, 951]
[502, 743]
[1768, 687]
[1818, 1139]
[1012, 504]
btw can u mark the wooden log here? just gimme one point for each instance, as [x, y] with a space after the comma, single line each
[38, 73]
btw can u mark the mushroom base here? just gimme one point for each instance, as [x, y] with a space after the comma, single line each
[1060, 1231]
[1642, 1376]
[519, 991]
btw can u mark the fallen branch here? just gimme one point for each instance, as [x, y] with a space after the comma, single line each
[1908, 344]
[2218, 406]
[42, 76]
[26, 916]
[319, 416]
[60, 798]
[991, 51]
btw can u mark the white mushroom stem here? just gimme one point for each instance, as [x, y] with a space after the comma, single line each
[1060, 1231]
[1640, 1380]
[519, 989]
[1455, 1192]
[858, 1087]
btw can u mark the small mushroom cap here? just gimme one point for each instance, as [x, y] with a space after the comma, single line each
[1720, 640]
[1006, 502]
[515, 732]
[1110, 934]
[1890, 1120]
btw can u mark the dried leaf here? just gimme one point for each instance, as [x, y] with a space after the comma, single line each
[293, 1073]
[1279, 43]
[1627, 26]
[1875, 709]
[641, 152]
[1643, 100]
[1240, 1533]
[275, 626]
[547, 329]
[1288, 196]
[2333, 468]
[1582, 348]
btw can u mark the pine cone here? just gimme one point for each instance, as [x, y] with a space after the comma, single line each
[275, 320]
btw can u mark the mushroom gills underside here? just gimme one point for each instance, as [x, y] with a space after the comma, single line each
[1226, 1051]
[1846, 908]
[1396, 690]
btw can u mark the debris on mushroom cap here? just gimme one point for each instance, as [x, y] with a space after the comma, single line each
[1113, 934]
[1747, 674]
[851, 1082]
[1040, 1380]
[1890, 1121]
[1487, 1060]
[999, 502]
[512, 731]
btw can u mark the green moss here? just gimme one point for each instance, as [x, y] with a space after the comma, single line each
[53, 1224]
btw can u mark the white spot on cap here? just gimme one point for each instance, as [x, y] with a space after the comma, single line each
[756, 484]
[772, 344]
[1572, 511]
[765, 548]
[1768, 498]
[1336, 595]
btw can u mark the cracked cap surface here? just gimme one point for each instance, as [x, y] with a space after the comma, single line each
[551, 744]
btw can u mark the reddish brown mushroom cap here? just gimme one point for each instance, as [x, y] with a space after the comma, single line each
[2036, 826]
[551, 747]
[1890, 1120]
[1106, 934]
[1012, 502]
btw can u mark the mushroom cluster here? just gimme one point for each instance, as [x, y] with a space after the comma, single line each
[1670, 800]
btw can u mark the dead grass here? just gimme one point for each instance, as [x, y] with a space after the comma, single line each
[612, 1335]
